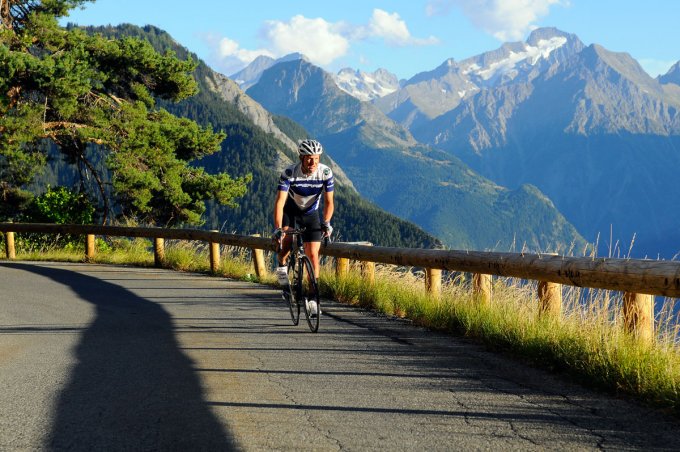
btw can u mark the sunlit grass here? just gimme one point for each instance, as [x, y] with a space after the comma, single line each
[116, 251]
[186, 256]
[123, 251]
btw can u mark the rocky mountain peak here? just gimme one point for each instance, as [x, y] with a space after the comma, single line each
[672, 76]
[250, 75]
[615, 65]
[546, 34]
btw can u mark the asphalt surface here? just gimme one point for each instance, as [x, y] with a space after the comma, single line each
[97, 357]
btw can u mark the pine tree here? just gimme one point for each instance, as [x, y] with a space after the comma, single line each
[90, 94]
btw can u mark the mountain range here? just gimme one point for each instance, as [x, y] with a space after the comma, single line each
[580, 127]
[408, 194]
[539, 145]
[422, 184]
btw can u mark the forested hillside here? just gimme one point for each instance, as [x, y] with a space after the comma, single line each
[247, 149]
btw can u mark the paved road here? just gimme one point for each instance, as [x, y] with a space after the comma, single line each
[99, 357]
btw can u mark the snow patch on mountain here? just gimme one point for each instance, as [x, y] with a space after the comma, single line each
[366, 86]
[508, 65]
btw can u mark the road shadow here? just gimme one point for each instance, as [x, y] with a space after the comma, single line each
[132, 388]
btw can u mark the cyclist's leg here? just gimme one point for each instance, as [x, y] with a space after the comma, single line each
[312, 244]
[312, 251]
[312, 239]
[289, 222]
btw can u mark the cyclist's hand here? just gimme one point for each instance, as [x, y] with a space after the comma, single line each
[277, 235]
[327, 229]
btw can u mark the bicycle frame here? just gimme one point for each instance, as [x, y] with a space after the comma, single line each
[299, 264]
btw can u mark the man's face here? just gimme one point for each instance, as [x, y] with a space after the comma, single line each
[310, 163]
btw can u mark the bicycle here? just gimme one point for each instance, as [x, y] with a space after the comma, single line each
[300, 265]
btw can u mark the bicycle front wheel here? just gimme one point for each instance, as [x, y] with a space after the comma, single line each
[293, 291]
[312, 313]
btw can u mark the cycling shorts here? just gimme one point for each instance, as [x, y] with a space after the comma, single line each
[293, 217]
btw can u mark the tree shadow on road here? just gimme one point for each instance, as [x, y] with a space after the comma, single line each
[132, 388]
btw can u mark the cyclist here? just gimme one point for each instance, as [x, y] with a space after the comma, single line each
[297, 203]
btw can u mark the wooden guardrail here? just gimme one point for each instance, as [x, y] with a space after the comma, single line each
[640, 280]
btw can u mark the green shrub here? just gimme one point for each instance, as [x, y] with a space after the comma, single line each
[58, 205]
[61, 205]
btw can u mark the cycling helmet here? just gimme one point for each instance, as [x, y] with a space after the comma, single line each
[309, 147]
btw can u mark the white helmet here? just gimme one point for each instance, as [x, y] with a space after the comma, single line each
[309, 147]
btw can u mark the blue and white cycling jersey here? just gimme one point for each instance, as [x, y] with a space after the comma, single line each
[305, 190]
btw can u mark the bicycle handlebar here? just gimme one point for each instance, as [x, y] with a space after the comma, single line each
[295, 231]
[298, 231]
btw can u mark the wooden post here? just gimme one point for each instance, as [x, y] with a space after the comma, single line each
[158, 251]
[481, 288]
[638, 315]
[214, 255]
[433, 281]
[341, 267]
[550, 299]
[368, 271]
[549, 296]
[258, 261]
[9, 245]
[89, 247]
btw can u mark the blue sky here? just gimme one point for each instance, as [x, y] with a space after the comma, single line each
[405, 37]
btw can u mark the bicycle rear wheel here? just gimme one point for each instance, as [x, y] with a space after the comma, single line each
[293, 291]
[312, 294]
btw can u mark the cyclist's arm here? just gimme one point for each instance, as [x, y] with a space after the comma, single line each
[329, 206]
[280, 201]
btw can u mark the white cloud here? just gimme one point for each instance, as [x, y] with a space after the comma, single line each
[322, 42]
[318, 40]
[393, 30]
[506, 20]
[229, 48]
[230, 56]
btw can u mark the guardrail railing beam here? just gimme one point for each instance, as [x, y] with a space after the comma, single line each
[639, 279]
[650, 277]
